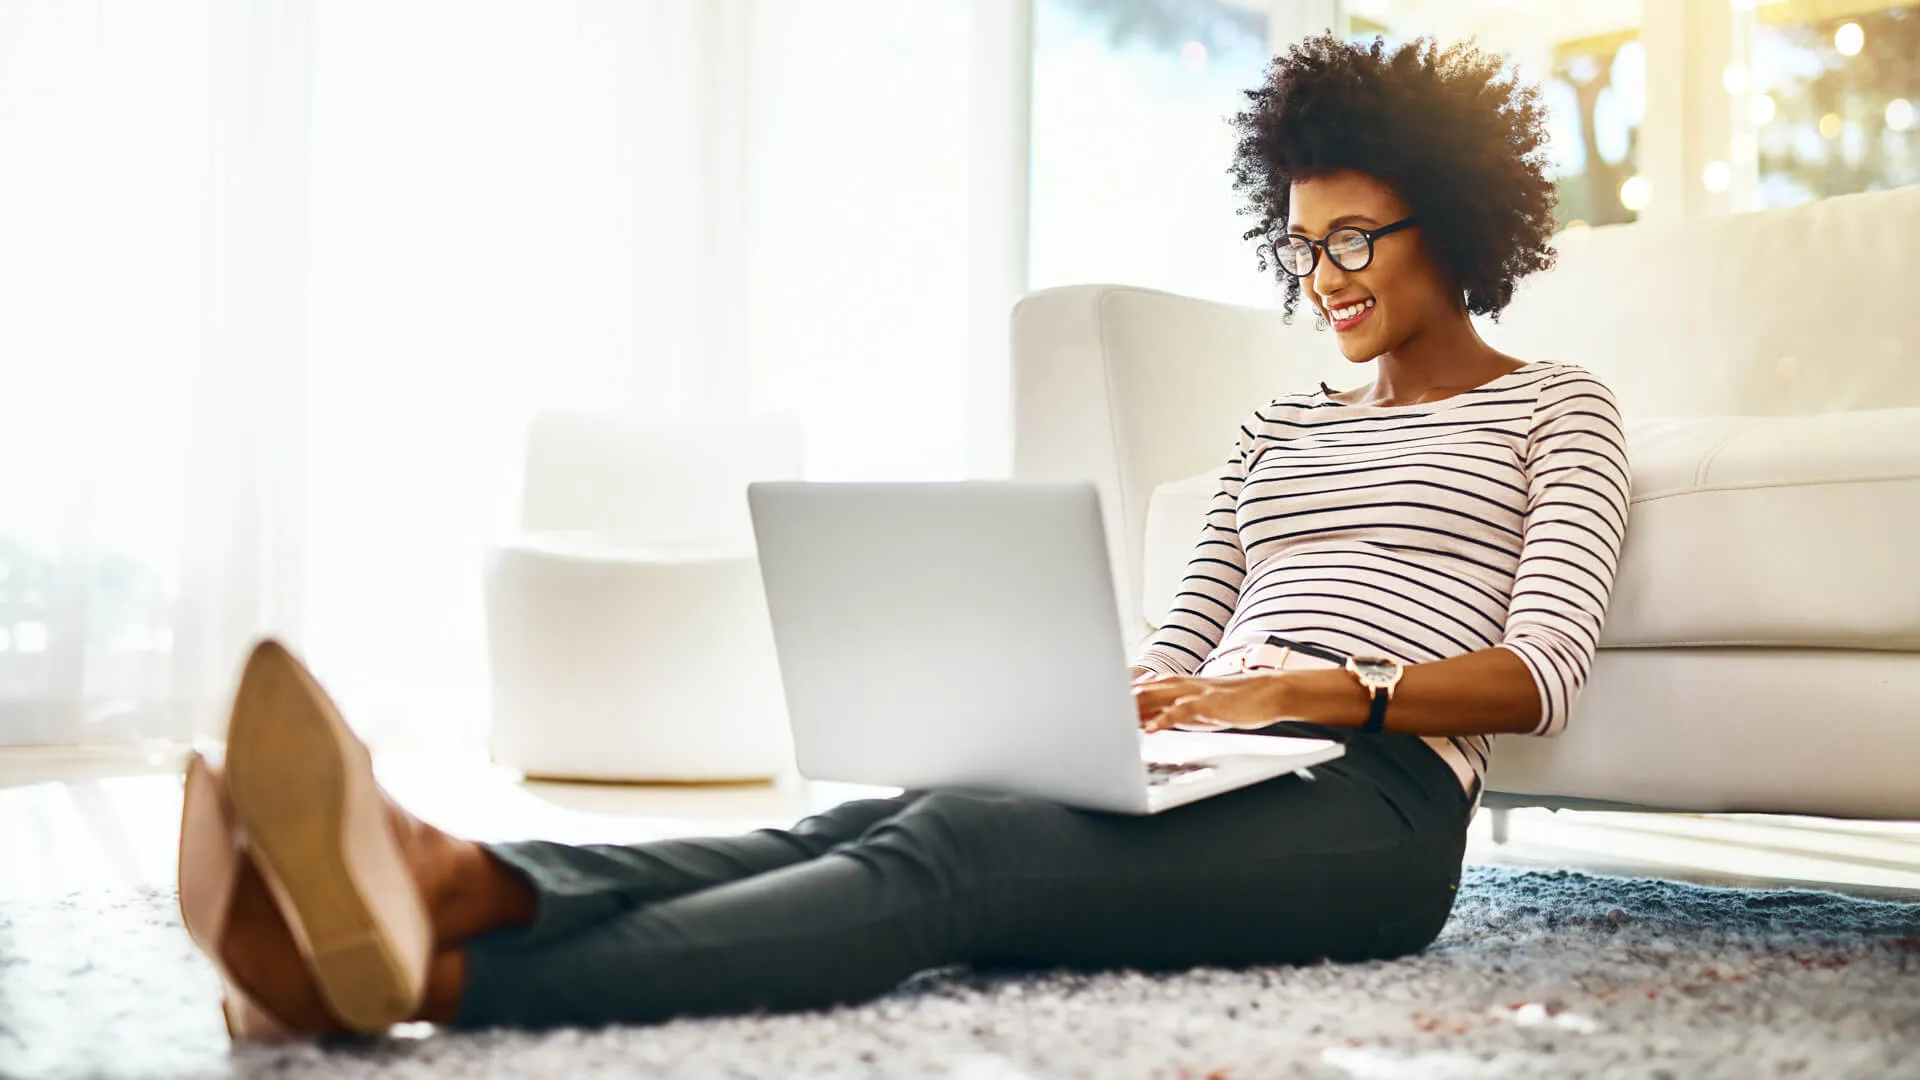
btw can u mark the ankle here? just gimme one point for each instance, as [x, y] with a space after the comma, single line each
[475, 893]
[446, 986]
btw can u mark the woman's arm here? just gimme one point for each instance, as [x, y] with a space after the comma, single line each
[1211, 587]
[1486, 692]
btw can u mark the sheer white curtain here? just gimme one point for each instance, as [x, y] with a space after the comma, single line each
[284, 282]
[151, 249]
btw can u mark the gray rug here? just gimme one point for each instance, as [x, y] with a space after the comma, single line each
[1557, 974]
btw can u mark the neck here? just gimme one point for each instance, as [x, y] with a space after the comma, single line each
[1446, 353]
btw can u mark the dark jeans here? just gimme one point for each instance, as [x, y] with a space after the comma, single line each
[1362, 862]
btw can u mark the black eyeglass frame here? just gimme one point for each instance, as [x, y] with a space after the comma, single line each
[1320, 245]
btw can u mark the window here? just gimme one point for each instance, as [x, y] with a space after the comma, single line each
[1590, 65]
[1131, 145]
[1834, 91]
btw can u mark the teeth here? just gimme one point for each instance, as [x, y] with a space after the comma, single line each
[1345, 313]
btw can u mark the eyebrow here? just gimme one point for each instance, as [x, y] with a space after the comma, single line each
[1343, 219]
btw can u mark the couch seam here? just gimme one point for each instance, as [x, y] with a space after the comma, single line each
[1706, 461]
[1758, 485]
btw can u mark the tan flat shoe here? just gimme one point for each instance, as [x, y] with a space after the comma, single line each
[303, 791]
[210, 855]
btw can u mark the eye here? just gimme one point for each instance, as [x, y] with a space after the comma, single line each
[1295, 254]
[1346, 242]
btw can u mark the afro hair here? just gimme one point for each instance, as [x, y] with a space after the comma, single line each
[1462, 144]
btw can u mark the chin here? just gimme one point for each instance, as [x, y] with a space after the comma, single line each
[1361, 351]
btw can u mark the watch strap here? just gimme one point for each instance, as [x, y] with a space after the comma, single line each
[1377, 715]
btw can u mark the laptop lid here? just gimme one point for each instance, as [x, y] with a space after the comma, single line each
[953, 633]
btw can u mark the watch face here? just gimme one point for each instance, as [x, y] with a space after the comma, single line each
[1373, 670]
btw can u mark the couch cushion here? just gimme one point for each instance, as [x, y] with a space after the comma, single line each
[1700, 316]
[1744, 530]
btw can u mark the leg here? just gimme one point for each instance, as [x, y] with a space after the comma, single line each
[586, 883]
[1362, 862]
[338, 880]
[468, 889]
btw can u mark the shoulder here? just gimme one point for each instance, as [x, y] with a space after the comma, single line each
[1569, 378]
[1303, 400]
[1575, 409]
[1284, 413]
[1561, 388]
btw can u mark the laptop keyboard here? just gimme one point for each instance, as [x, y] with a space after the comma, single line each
[1167, 772]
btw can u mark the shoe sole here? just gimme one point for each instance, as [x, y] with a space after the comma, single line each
[209, 866]
[302, 787]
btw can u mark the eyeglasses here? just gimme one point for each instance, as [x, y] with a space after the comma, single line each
[1349, 246]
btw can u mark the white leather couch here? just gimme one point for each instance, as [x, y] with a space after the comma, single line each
[1762, 649]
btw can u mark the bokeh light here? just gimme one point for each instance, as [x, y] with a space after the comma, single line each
[1636, 193]
[1849, 39]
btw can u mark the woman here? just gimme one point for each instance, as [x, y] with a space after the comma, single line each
[1452, 527]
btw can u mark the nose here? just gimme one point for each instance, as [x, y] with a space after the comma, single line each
[1328, 279]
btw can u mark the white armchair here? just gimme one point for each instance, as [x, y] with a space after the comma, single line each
[628, 636]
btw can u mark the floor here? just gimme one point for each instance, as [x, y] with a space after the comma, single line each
[73, 820]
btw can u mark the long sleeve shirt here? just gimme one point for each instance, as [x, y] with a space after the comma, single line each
[1492, 518]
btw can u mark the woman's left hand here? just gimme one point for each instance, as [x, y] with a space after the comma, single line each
[1209, 703]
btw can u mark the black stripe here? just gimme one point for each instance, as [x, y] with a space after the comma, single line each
[1495, 601]
[1489, 500]
[1402, 525]
[1350, 598]
[1496, 617]
[1352, 507]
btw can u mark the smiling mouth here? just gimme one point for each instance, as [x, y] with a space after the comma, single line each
[1350, 315]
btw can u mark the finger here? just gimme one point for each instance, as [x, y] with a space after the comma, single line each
[1186, 696]
[1166, 691]
[1183, 714]
[1150, 719]
[1153, 703]
[1153, 718]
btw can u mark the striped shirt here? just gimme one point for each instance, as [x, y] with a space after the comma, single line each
[1492, 518]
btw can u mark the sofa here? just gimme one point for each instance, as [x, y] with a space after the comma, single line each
[1761, 652]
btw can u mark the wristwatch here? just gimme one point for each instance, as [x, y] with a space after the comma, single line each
[1378, 674]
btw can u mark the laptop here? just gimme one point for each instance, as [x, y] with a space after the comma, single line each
[965, 634]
